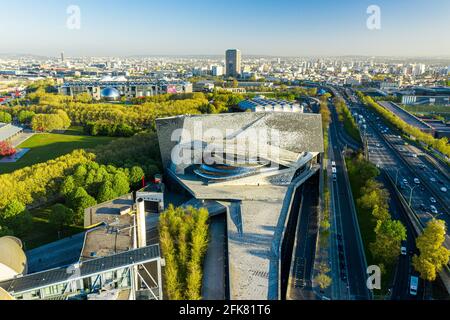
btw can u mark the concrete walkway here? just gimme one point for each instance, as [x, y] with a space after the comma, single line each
[21, 138]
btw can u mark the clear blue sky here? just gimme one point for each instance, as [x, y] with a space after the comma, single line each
[178, 27]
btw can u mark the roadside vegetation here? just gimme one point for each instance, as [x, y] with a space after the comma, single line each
[349, 122]
[439, 144]
[326, 120]
[433, 255]
[184, 241]
[382, 236]
[322, 278]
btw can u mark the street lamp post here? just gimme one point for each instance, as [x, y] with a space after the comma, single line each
[410, 195]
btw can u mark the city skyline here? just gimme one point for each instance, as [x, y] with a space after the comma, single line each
[289, 28]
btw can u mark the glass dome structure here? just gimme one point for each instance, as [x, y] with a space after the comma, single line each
[110, 93]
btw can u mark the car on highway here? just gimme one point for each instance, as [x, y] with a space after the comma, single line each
[405, 181]
[333, 163]
[403, 249]
[413, 285]
[432, 200]
[334, 177]
[416, 181]
[433, 209]
[444, 189]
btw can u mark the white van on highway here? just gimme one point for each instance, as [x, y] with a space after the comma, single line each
[413, 285]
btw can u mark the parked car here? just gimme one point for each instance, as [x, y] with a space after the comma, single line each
[444, 189]
[432, 200]
[433, 209]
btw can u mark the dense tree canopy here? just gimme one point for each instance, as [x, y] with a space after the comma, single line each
[372, 200]
[433, 255]
[49, 122]
[5, 117]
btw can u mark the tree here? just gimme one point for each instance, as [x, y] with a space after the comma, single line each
[106, 192]
[79, 201]
[68, 186]
[433, 255]
[49, 122]
[64, 119]
[120, 184]
[25, 116]
[389, 235]
[4, 231]
[323, 280]
[136, 175]
[6, 149]
[83, 97]
[61, 216]
[5, 117]
[16, 217]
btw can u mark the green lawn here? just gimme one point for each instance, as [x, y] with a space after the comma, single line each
[47, 146]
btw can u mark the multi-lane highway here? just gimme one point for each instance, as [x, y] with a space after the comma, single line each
[400, 283]
[419, 182]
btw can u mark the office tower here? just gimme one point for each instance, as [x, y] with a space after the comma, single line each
[62, 56]
[233, 63]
